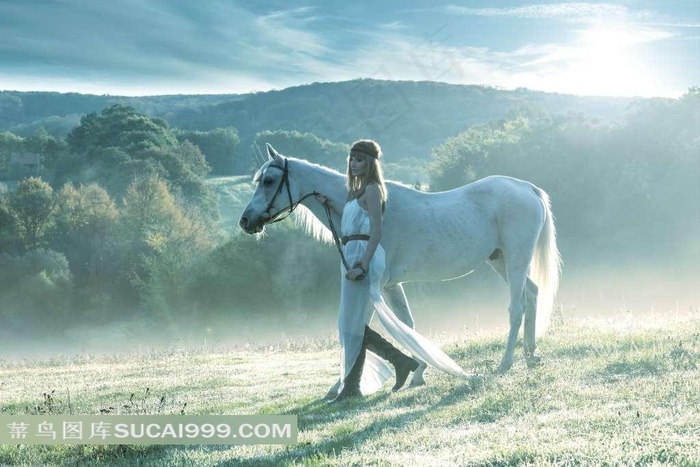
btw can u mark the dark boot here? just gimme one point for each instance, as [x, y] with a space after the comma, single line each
[403, 364]
[351, 385]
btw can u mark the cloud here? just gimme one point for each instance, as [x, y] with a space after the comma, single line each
[605, 52]
[229, 46]
[170, 42]
[290, 31]
[132, 37]
[575, 12]
[567, 11]
[599, 60]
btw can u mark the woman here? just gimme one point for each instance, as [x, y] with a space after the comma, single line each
[360, 292]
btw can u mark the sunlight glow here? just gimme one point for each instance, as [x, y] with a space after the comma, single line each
[608, 61]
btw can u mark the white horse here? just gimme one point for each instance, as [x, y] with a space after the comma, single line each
[434, 236]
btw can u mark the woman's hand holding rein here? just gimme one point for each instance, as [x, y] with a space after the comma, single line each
[357, 273]
[323, 199]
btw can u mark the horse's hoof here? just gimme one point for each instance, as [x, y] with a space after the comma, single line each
[476, 381]
[417, 379]
[417, 384]
[533, 361]
[504, 368]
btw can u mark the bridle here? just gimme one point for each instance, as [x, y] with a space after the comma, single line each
[284, 183]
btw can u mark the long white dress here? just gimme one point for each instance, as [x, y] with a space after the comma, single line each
[360, 299]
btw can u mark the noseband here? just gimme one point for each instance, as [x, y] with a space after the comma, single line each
[284, 183]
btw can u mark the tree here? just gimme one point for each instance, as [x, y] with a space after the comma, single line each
[120, 126]
[85, 221]
[11, 109]
[8, 223]
[120, 144]
[9, 144]
[35, 290]
[160, 241]
[469, 155]
[32, 206]
[219, 146]
[299, 277]
[49, 148]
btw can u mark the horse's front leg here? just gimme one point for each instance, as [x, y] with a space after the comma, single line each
[398, 302]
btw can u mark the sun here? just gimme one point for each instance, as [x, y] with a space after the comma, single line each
[603, 60]
[607, 62]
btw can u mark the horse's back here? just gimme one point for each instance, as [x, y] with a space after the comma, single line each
[486, 197]
[516, 206]
[498, 186]
[448, 234]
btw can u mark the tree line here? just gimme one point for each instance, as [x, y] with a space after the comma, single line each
[410, 118]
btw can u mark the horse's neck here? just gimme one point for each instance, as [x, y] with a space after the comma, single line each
[330, 184]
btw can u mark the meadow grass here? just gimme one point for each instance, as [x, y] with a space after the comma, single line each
[618, 391]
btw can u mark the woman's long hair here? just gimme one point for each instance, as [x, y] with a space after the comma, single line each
[371, 152]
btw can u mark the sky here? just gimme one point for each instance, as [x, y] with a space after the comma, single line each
[154, 47]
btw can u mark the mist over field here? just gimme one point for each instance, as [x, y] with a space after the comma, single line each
[461, 308]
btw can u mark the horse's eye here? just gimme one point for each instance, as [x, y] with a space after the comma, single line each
[267, 182]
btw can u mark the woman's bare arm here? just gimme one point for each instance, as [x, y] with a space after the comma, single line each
[373, 201]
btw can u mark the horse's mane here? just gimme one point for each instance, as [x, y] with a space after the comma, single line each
[304, 218]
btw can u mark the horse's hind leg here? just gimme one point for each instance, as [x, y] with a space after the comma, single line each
[530, 347]
[514, 271]
[516, 282]
[498, 264]
[398, 302]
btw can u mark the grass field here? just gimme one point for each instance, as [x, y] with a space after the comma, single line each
[617, 391]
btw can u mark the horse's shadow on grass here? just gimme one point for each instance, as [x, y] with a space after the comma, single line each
[318, 413]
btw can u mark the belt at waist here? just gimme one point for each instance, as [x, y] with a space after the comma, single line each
[350, 238]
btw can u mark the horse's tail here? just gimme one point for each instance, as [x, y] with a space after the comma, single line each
[546, 265]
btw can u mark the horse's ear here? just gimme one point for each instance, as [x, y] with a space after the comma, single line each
[272, 153]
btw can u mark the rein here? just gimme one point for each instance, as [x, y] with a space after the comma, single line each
[335, 235]
[337, 241]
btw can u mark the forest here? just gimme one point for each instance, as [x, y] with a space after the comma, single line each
[123, 219]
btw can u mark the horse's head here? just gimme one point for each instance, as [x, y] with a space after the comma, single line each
[273, 194]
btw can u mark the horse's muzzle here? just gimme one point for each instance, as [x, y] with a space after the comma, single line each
[251, 226]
